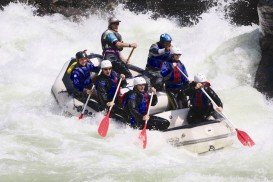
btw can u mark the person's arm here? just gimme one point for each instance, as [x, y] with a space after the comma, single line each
[154, 99]
[92, 68]
[189, 89]
[165, 69]
[123, 83]
[155, 51]
[114, 40]
[119, 44]
[214, 96]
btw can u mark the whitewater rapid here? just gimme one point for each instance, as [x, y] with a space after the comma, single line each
[38, 143]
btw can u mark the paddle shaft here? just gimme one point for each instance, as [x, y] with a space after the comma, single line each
[150, 103]
[109, 110]
[89, 95]
[130, 55]
[149, 106]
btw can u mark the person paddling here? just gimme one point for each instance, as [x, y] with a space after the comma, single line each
[158, 53]
[174, 80]
[136, 105]
[80, 77]
[106, 85]
[201, 107]
[112, 45]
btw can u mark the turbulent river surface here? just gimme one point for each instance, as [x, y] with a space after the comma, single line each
[38, 143]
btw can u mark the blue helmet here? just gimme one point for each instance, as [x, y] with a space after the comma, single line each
[165, 37]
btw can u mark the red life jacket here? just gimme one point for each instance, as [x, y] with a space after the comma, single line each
[176, 75]
[200, 99]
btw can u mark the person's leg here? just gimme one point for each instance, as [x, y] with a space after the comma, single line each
[118, 65]
[121, 68]
[172, 100]
[194, 116]
[156, 79]
[182, 100]
[95, 105]
[119, 114]
[157, 123]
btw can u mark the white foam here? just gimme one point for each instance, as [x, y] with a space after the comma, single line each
[43, 145]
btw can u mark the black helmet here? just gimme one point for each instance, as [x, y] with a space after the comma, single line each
[81, 54]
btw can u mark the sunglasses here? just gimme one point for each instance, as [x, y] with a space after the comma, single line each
[115, 23]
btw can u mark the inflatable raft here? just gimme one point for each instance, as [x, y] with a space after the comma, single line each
[200, 138]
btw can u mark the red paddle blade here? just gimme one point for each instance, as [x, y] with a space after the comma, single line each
[143, 137]
[81, 116]
[104, 125]
[244, 138]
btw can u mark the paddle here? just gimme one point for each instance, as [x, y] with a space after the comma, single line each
[143, 134]
[104, 124]
[242, 136]
[89, 95]
[130, 55]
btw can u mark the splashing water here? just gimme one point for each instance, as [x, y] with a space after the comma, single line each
[39, 144]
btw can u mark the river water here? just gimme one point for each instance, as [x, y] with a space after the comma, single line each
[38, 143]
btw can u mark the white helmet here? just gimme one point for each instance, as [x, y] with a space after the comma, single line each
[105, 64]
[113, 20]
[176, 50]
[199, 77]
[139, 81]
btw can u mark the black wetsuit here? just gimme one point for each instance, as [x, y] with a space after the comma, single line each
[136, 104]
[201, 107]
[106, 87]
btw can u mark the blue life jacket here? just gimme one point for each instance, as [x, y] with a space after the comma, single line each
[114, 84]
[109, 84]
[155, 60]
[173, 77]
[80, 76]
[141, 102]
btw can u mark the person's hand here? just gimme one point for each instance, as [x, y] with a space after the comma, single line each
[153, 90]
[219, 109]
[198, 85]
[146, 117]
[88, 91]
[122, 76]
[110, 104]
[168, 47]
[133, 45]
